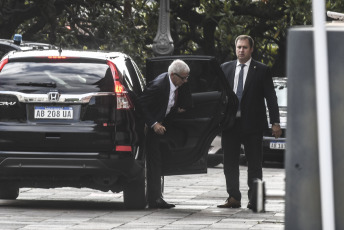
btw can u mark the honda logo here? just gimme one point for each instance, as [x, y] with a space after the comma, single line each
[53, 96]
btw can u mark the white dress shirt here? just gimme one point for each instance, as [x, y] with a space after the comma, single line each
[237, 70]
[171, 101]
[236, 78]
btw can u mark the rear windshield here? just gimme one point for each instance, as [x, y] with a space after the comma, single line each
[66, 77]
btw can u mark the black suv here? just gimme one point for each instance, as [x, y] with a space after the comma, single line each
[68, 119]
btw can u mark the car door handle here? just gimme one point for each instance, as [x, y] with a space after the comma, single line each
[52, 136]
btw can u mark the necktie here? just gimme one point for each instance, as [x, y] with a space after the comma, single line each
[175, 96]
[240, 87]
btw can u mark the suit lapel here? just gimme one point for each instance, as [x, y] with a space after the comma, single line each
[232, 74]
[249, 77]
[166, 91]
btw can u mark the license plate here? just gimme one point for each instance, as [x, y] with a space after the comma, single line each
[277, 145]
[53, 112]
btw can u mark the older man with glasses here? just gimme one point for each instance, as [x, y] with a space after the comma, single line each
[165, 96]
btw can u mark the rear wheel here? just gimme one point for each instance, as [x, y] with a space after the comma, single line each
[215, 159]
[242, 159]
[134, 193]
[8, 192]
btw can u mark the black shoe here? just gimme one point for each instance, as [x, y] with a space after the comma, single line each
[160, 203]
[231, 202]
[250, 206]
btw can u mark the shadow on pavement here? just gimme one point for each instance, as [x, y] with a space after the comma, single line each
[62, 204]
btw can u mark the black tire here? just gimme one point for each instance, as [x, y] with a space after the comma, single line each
[242, 159]
[215, 159]
[135, 192]
[9, 192]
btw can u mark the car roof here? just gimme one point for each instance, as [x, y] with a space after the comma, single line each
[25, 45]
[10, 44]
[63, 53]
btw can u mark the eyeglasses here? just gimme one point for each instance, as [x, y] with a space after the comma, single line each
[183, 78]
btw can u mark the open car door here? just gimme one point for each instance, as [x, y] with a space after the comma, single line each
[214, 108]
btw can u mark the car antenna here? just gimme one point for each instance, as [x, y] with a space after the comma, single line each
[60, 49]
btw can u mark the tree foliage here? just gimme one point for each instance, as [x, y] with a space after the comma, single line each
[206, 27]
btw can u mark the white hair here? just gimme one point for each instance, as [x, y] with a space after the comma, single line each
[178, 66]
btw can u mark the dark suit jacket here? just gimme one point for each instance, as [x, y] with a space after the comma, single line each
[258, 86]
[153, 102]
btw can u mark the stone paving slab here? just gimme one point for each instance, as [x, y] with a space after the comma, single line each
[196, 197]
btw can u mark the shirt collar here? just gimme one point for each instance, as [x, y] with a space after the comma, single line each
[246, 63]
[172, 86]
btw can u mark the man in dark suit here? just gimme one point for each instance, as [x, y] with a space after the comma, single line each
[165, 96]
[252, 83]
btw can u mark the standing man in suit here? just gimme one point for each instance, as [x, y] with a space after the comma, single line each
[252, 83]
[165, 96]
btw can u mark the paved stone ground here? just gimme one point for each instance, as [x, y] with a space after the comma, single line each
[196, 197]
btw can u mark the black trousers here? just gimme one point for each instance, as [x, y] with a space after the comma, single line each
[157, 146]
[231, 141]
[154, 165]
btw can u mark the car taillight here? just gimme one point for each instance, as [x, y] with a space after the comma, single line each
[123, 101]
[3, 63]
[119, 87]
[123, 148]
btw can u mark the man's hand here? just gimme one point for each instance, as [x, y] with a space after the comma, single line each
[159, 129]
[276, 130]
[180, 110]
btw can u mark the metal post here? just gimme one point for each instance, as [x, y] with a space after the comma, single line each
[323, 115]
[163, 43]
[260, 195]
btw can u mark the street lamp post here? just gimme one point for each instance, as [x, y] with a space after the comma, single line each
[163, 43]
